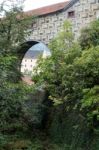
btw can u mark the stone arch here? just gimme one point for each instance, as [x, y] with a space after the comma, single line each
[28, 55]
[23, 48]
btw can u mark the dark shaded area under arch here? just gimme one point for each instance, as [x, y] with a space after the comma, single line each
[24, 47]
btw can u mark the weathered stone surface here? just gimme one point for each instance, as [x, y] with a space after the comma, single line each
[46, 27]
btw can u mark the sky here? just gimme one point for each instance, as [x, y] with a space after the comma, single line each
[33, 4]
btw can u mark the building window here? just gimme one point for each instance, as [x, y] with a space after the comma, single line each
[71, 14]
[25, 60]
[25, 65]
[31, 60]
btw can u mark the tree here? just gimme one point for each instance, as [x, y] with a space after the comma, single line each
[90, 35]
[55, 72]
[71, 76]
[14, 29]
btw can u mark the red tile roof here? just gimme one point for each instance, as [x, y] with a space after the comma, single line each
[47, 9]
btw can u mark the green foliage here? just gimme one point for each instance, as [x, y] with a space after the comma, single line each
[55, 72]
[69, 71]
[14, 28]
[35, 109]
[90, 35]
[12, 98]
[13, 93]
[14, 142]
[87, 70]
[9, 69]
[71, 76]
[90, 104]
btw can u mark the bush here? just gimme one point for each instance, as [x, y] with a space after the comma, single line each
[90, 35]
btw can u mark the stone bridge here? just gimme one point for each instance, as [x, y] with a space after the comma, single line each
[50, 19]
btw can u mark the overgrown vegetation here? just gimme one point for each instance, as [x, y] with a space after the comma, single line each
[13, 93]
[71, 75]
[64, 113]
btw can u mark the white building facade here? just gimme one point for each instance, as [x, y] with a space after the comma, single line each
[29, 61]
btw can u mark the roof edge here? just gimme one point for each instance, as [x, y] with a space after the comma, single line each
[70, 4]
[50, 13]
[43, 14]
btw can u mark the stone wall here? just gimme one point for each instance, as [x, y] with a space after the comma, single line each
[85, 12]
[46, 27]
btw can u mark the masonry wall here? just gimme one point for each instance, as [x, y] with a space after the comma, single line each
[46, 27]
[85, 12]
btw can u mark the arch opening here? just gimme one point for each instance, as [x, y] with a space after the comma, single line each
[30, 55]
